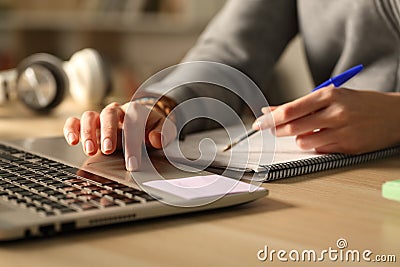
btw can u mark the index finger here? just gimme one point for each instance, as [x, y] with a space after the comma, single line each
[297, 109]
[303, 106]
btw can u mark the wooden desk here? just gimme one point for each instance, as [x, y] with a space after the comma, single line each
[17, 121]
[307, 212]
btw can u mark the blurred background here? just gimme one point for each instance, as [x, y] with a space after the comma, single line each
[136, 38]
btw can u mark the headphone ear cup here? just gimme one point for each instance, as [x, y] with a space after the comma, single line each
[55, 67]
[88, 80]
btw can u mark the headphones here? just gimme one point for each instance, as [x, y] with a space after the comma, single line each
[41, 80]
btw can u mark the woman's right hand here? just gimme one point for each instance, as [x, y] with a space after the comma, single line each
[103, 131]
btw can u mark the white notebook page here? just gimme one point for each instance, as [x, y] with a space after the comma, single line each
[263, 148]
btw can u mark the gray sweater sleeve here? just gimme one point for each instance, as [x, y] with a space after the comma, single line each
[247, 35]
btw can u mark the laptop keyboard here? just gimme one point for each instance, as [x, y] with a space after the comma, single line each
[50, 188]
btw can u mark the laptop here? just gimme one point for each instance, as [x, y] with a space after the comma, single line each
[48, 187]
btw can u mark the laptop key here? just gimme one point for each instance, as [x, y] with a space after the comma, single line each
[87, 206]
[105, 202]
[147, 197]
[2, 182]
[11, 197]
[127, 201]
[24, 182]
[88, 197]
[92, 188]
[8, 157]
[16, 189]
[65, 210]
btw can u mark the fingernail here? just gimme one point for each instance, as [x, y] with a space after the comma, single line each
[89, 146]
[262, 122]
[265, 110]
[71, 138]
[257, 124]
[131, 164]
[107, 145]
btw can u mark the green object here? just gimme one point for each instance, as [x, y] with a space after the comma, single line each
[391, 190]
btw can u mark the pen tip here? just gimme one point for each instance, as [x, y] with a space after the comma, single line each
[227, 148]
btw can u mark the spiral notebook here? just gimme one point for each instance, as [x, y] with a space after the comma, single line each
[271, 158]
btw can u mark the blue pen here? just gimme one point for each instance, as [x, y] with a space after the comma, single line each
[336, 81]
[341, 78]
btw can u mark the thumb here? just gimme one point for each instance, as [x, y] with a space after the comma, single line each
[162, 134]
